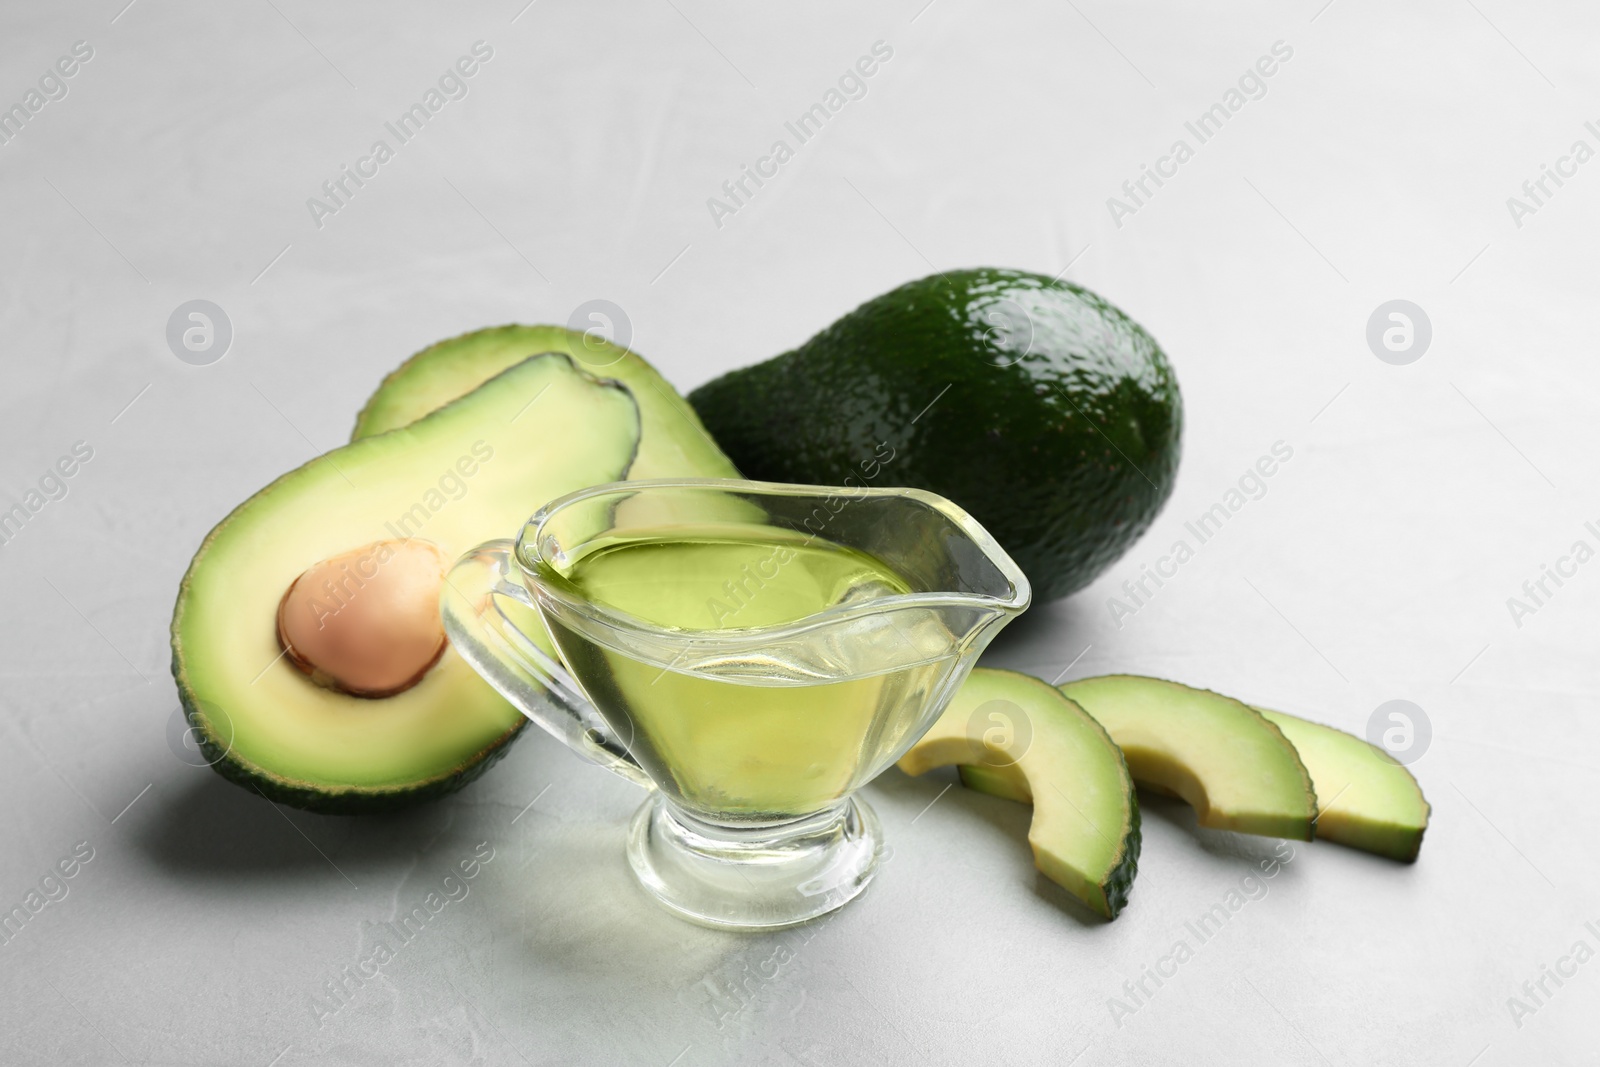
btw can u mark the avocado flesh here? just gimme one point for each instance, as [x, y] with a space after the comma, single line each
[1232, 765]
[263, 721]
[1044, 411]
[1371, 801]
[1085, 828]
[673, 443]
[1003, 782]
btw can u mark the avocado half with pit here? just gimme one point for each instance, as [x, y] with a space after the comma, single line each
[306, 640]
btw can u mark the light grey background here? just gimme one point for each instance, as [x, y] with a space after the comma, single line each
[1377, 166]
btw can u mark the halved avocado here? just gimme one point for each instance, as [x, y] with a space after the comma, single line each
[1370, 800]
[1085, 829]
[1233, 766]
[675, 443]
[324, 586]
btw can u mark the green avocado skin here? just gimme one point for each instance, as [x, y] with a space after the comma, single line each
[1040, 408]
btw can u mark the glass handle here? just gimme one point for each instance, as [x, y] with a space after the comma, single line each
[533, 680]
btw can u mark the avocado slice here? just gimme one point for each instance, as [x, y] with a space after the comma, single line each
[343, 537]
[1036, 405]
[1227, 760]
[1370, 800]
[673, 441]
[1085, 829]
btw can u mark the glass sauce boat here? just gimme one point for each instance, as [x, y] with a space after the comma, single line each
[752, 652]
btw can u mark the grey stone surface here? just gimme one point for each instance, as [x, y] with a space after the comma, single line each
[1374, 165]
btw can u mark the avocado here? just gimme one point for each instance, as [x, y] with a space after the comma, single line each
[306, 642]
[1370, 800]
[1232, 765]
[1033, 403]
[1047, 750]
[674, 443]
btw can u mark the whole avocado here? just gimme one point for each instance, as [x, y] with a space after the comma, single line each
[1033, 403]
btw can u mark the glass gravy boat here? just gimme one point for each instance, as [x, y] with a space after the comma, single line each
[754, 705]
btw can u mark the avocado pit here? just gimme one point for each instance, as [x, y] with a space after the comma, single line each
[366, 622]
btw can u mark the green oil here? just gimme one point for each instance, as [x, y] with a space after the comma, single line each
[758, 729]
